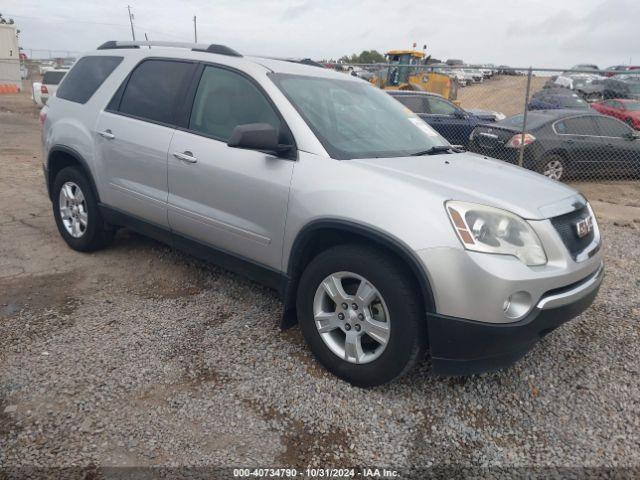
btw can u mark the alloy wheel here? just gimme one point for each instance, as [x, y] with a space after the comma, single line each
[553, 169]
[351, 317]
[73, 209]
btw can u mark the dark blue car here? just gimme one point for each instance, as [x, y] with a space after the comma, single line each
[557, 102]
[449, 120]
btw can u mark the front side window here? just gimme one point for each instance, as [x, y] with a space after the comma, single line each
[153, 89]
[354, 119]
[226, 99]
[86, 76]
[438, 106]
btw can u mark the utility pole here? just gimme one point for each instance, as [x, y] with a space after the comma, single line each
[195, 29]
[133, 33]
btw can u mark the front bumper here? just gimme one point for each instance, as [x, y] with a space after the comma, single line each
[464, 347]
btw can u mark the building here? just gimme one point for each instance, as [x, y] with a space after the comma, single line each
[9, 59]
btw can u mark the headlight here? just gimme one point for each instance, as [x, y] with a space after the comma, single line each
[490, 230]
[499, 116]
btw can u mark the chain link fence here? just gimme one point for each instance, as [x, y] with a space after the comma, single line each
[570, 125]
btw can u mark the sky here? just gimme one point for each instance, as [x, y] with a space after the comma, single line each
[519, 33]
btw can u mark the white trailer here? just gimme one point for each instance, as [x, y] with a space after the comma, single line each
[9, 57]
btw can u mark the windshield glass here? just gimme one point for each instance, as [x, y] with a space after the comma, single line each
[354, 119]
[632, 106]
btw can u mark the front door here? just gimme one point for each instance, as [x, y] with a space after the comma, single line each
[229, 198]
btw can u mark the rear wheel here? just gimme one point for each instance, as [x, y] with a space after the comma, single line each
[361, 315]
[553, 167]
[76, 212]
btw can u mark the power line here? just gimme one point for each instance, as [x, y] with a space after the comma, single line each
[133, 33]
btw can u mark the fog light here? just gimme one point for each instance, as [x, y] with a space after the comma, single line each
[517, 305]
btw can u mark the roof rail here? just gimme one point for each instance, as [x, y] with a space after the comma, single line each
[196, 47]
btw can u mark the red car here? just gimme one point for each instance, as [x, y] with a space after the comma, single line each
[623, 109]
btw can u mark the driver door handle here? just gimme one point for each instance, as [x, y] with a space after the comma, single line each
[186, 156]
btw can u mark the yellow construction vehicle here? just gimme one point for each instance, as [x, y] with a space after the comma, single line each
[406, 70]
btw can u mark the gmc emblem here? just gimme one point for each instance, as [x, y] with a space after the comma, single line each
[584, 226]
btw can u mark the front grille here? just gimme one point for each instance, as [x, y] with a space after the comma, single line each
[565, 225]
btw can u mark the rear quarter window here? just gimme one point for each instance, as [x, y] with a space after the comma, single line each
[86, 76]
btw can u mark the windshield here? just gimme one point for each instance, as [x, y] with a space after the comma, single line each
[632, 106]
[353, 119]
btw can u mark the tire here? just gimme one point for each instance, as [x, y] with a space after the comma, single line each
[554, 167]
[399, 304]
[82, 206]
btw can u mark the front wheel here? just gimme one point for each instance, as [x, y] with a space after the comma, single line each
[361, 314]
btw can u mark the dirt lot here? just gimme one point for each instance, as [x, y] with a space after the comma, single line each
[138, 355]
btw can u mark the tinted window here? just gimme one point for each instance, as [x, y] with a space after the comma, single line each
[153, 88]
[577, 126]
[226, 99]
[612, 128]
[86, 77]
[438, 106]
[413, 103]
[52, 78]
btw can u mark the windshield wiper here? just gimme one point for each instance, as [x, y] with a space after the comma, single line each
[437, 149]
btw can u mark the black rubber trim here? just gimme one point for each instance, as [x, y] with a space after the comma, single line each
[378, 237]
[255, 271]
[465, 347]
[113, 45]
[73, 153]
[219, 50]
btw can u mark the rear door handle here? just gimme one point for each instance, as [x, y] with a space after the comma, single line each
[107, 134]
[186, 156]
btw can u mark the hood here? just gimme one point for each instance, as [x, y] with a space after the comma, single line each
[474, 178]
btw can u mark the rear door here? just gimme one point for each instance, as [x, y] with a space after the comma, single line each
[133, 136]
[232, 199]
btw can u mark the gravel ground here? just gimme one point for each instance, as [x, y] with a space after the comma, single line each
[138, 355]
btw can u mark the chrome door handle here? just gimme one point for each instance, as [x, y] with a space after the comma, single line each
[107, 134]
[185, 157]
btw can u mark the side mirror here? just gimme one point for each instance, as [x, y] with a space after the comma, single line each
[257, 136]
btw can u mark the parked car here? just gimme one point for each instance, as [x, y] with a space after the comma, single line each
[372, 228]
[49, 85]
[463, 78]
[621, 108]
[562, 143]
[611, 71]
[585, 66]
[622, 86]
[449, 120]
[555, 101]
[555, 91]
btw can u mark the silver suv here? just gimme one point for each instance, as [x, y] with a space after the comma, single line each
[382, 239]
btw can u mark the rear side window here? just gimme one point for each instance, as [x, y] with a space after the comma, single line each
[86, 76]
[52, 78]
[610, 127]
[226, 99]
[414, 103]
[153, 88]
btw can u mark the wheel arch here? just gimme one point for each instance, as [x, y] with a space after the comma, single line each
[319, 235]
[61, 156]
